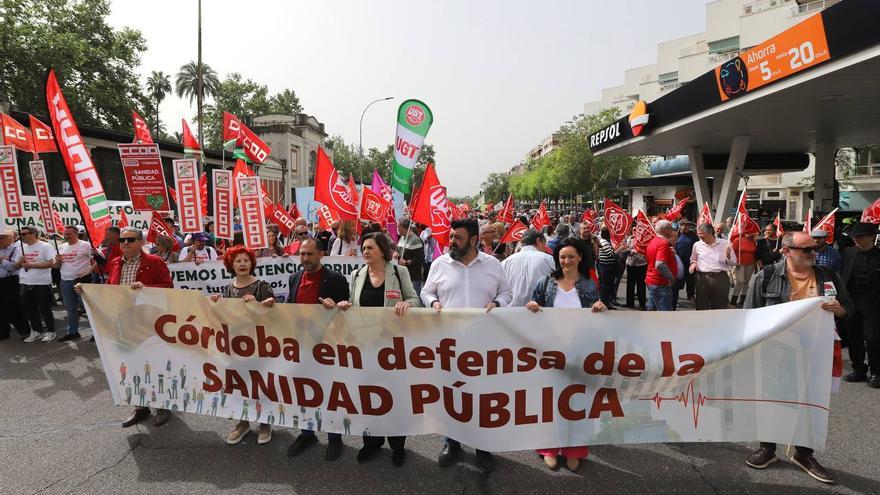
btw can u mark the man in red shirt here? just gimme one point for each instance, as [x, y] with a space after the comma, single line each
[315, 284]
[662, 268]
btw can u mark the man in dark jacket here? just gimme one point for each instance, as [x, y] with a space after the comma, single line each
[861, 277]
[793, 278]
[315, 284]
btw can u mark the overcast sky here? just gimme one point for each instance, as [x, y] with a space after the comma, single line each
[499, 76]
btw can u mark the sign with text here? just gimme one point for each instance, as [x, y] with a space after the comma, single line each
[41, 187]
[10, 184]
[491, 380]
[189, 202]
[223, 203]
[250, 203]
[144, 177]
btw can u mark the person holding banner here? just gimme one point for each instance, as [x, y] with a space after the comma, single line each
[794, 278]
[315, 284]
[35, 278]
[569, 286]
[380, 283]
[75, 260]
[465, 277]
[10, 293]
[137, 269]
[240, 262]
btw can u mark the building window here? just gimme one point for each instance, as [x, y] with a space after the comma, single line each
[313, 160]
[668, 78]
[294, 159]
[726, 45]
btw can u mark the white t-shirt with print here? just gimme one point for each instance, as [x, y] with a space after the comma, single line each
[205, 254]
[38, 252]
[76, 260]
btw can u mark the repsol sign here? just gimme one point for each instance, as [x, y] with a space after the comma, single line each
[605, 135]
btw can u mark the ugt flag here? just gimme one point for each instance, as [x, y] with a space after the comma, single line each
[414, 119]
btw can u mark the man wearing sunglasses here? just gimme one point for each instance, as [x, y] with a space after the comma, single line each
[137, 269]
[35, 279]
[300, 233]
[796, 277]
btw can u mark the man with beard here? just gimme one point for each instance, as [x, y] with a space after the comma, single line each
[465, 277]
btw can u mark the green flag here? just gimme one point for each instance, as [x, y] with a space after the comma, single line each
[414, 119]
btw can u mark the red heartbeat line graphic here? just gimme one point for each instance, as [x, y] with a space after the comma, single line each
[687, 398]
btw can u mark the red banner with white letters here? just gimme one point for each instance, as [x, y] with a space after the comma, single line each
[41, 137]
[327, 217]
[223, 203]
[189, 202]
[41, 187]
[142, 167]
[10, 183]
[250, 202]
[15, 133]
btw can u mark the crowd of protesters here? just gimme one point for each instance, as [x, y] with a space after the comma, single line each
[568, 264]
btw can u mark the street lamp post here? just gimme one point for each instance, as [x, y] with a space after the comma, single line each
[361, 137]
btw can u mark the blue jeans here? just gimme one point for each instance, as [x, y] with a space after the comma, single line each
[72, 302]
[659, 298]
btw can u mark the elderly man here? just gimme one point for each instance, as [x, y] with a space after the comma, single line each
[794, 278]
[488, 243]
[861, 275]
[137, 269]
[13, 313]
[465, 277]
[300, 234]
[199, 252]
[526, 268]
[710, 260]
[662, 268]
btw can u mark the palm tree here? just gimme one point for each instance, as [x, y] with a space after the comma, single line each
[192, 77]
[158, 85]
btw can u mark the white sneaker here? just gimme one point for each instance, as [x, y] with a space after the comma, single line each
[48, 337]
[35, 336]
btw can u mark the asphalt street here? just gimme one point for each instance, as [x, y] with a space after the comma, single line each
[59, 433]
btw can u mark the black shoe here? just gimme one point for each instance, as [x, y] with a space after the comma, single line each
[448, 454]
[367, 452]
[92, 338]
[809, 464]
[398, 457]
[301, 443]
[139, 414]
[162, 417]
[485, 461]
[334, 449]
[856, 376]
[874, 382]
[69, 337]
[761, 458]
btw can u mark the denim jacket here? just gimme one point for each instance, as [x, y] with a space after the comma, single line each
[545, 293]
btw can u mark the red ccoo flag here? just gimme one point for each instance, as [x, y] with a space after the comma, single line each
[506, 214]
[141, 129]
[123, 220]
[541, 219]
[331, 190]
[42, 138]
[705, 215]
[514, 233]
[432, 209]
[293, 211]
[827, 224]
[327, 217]
[190, 144]
[59, 224]
[15, 134]
[159, 227]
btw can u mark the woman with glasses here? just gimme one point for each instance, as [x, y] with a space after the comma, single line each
[569, 286]
[381, 283]
[241, 261]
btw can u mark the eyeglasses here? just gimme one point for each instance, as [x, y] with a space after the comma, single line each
[805, 250]
[128, 239]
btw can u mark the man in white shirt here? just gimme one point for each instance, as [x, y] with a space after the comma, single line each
[198, 252]
[465, 278]
[526, 268]
[10, 292]
[35, 278]
[710, 259]
[75, 260]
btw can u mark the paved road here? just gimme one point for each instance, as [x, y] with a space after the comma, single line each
[60, 434]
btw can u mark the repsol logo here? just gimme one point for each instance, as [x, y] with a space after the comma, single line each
[605, 135]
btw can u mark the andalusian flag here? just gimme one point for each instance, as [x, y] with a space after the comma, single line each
[414, 119]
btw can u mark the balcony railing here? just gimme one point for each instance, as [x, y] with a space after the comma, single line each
[761, 5]
[814, 6]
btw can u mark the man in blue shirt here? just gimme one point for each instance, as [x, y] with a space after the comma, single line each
[827, 256]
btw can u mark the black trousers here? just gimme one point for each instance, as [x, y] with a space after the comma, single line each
[864, 337]
[635, 285]
[606, 283]
[396, 443]
[801, 451]
[37, 302]
[12, 313]
[690, 284]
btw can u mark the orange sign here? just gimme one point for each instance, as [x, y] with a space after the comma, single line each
[800, 47]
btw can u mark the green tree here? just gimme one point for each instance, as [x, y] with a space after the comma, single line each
[95, 64]
[186, 83]
[158, 85]
[496, 187]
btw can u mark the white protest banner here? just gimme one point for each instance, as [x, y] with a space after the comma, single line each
[41, 187]
[189, 209]
[10, 184]
[506, 380]
[222, 203]
[210, 277]
[68, 211]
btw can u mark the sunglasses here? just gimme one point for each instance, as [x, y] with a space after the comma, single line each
[805, 250]
[128, 239]
[26, 233]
